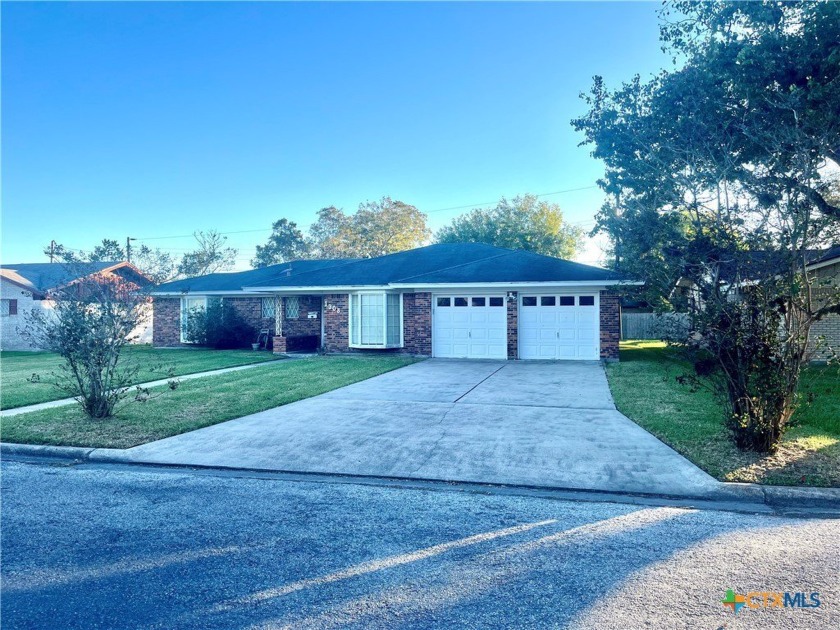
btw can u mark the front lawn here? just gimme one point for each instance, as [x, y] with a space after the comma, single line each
[16, 367]
[645, 389]
[197, 403]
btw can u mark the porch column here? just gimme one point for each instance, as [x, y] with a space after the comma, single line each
[279, 341]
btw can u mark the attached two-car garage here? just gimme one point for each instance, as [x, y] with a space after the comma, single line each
[550, 326]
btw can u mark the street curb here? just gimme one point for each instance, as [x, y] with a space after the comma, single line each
[75, 453]
[741, 495]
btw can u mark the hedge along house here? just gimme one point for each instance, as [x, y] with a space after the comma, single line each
[460, 300]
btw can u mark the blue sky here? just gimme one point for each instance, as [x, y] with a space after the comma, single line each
[159, 119]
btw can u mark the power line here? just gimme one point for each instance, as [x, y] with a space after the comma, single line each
[474, 205]
[484, 203]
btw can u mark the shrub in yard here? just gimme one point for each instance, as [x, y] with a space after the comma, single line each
[218, 326]
[90, 324]
[750, 351]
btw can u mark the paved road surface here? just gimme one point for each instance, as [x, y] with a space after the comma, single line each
[107, 547]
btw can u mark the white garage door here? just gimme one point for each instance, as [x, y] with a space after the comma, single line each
[559, 327]
[469, 326]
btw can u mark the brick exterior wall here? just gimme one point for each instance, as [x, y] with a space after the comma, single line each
[336, 323]
[250, 309]
[167, 318]
[826, 281]
[302, 326]
[610, 325]
[513, 327]
[166, 329]
[417, 323]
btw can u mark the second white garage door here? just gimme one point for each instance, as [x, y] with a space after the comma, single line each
[559, 327]
[469, 326]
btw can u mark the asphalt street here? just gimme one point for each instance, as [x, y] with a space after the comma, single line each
[109, 547]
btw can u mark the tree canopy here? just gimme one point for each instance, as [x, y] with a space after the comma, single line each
[285, 243]
[522, 223]
[210, 256]
[734, 151]
[377, 228]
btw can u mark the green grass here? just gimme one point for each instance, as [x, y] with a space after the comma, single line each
[645, 389]
[16, 367]
[197, 403]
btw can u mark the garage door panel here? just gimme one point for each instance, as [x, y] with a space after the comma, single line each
[559, 327]
[566, 351]
[497, 334]
[470, 328]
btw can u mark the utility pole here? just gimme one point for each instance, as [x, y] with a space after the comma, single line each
[128, 240]
[52, 250]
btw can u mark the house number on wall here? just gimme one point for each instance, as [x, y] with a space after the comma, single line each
[333, 308]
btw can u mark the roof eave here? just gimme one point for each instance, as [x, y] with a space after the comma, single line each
[514, 285]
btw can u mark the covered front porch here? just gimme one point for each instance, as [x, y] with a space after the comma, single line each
[297, 322]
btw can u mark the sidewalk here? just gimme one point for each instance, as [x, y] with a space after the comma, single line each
[163, 381]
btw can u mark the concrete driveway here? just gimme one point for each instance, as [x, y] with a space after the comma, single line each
[526, 423]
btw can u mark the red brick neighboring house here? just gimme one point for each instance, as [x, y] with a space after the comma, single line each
[459, 300]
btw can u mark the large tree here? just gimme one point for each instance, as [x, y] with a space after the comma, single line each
[285, 243]
[522, 223]
[383, 227]
[211, 256]
[325, 234]
[375, 229]
[719, 173]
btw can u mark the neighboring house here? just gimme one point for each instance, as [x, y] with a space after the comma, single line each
[464, 300]
[826, 274]
[824, 270]
[27, 286]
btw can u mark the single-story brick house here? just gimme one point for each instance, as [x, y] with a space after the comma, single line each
[28, 286]
[464, 300]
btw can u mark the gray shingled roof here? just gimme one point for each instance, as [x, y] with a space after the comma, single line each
[450, 263]
[41, 277]
[235, 281]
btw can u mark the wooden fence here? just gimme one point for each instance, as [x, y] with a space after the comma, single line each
[652, 325]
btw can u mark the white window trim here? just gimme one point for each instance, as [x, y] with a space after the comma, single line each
[358, 333]
[184, 312]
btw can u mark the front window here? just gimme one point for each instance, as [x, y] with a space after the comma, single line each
[292, 307]
[376, 320]
[268, 307]
[8, 308]
[190, 306]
